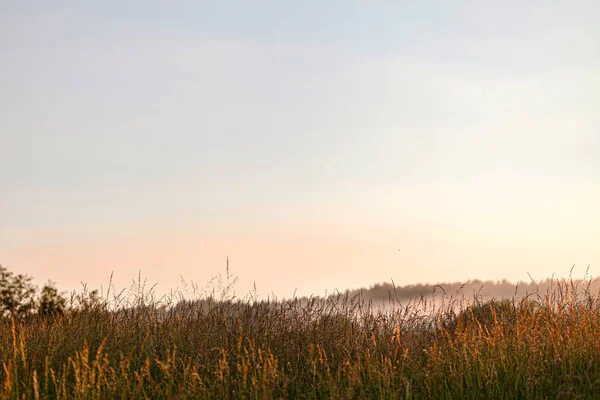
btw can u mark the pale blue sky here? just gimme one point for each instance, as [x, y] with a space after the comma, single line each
[121, 122]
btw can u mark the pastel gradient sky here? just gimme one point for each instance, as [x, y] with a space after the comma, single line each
[317, 144]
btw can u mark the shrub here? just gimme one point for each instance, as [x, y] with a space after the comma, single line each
[51, 303]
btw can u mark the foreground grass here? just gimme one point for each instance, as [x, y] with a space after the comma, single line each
[544, 346]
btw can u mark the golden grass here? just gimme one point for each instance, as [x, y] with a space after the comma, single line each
[544, 346]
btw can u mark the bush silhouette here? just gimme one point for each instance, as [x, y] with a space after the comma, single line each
[51, 303]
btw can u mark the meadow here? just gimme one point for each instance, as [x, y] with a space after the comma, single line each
[543, 345]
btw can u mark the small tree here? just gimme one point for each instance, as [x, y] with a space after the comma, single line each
[51, 303]
[17, 294]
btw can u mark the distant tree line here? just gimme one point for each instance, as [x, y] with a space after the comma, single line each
[485, 290]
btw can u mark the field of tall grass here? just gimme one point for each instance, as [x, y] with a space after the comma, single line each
[544, 345]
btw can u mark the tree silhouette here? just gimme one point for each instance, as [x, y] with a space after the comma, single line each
[17, 294]
[18, 297]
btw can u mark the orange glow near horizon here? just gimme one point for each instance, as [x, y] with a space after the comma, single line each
[304, 259]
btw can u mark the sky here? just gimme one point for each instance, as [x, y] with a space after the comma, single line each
[318, 145]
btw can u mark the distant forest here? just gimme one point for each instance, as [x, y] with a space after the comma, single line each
[483, 290]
